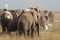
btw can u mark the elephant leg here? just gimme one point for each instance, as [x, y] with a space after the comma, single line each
[19, 28]
[3, 29]
[32, 29]
[32, 32]
[43, 26]
[20, 32]
[25, 33]
[38, 29]
[29, 30]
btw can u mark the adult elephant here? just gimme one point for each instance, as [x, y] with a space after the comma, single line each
[25, 20]
[36, 14]
[6, 17]
[51, 16]
[12, 26]
[26, 24]
[44, 19]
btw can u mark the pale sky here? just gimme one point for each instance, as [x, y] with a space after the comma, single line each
[53, 5]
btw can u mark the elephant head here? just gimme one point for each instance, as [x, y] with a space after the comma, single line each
[6, 17]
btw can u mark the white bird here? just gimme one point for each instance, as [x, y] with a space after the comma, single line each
[46, 27]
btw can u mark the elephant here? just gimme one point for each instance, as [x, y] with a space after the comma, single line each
[26, 24]
[36, 16]
[6, 17]
[12, 26]
[44, 19]
[51, 16]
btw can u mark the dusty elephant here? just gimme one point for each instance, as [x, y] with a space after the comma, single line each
[36, 15]
[26, 24]
[12, 26]
[51, 16]
[6, 18]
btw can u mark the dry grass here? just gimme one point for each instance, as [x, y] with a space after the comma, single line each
[51, 34]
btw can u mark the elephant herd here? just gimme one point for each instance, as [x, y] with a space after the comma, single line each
[27, 22]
